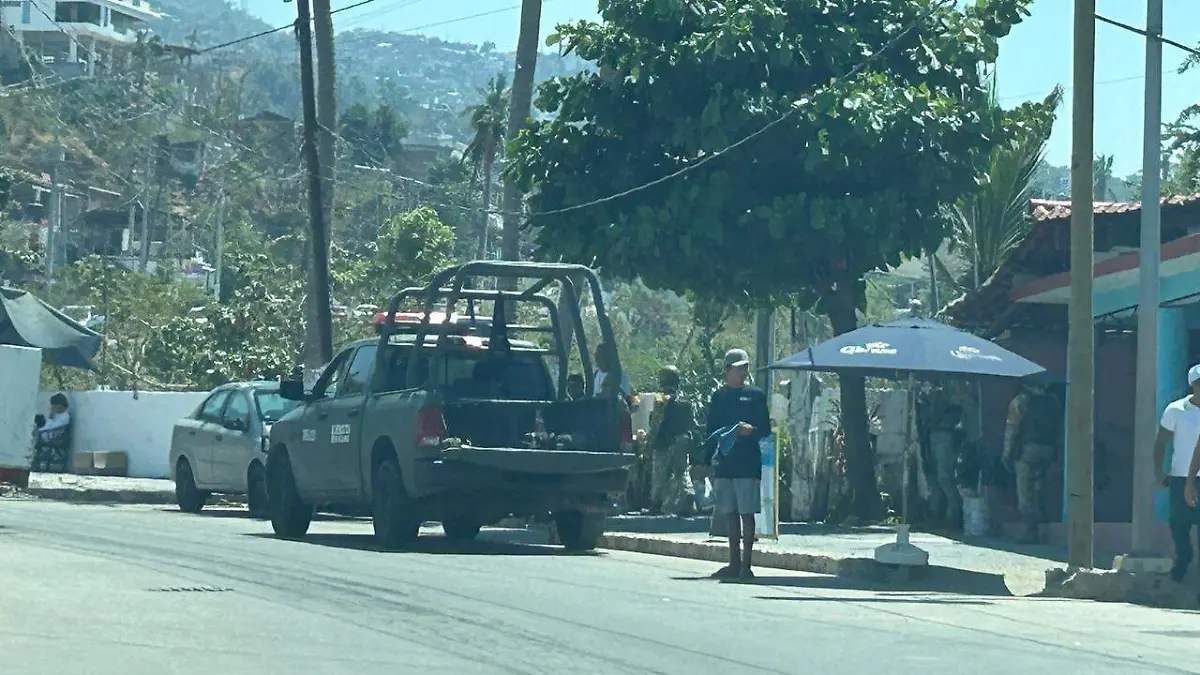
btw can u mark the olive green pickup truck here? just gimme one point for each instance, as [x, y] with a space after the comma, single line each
[450, 417]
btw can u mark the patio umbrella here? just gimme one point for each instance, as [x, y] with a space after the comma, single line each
[911, 347]
[26, 321]
[908, 349]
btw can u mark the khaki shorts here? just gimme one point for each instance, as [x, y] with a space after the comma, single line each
[741, 496]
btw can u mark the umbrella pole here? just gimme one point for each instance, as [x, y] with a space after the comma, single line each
[902, 553]
[910, 418]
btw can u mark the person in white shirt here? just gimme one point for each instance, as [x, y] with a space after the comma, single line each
[1180, 430]
[606, 354]
[59, 418]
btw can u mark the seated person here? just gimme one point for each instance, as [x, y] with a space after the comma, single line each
[60, 417]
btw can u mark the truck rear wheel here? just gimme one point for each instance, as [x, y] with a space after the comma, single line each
[579, 530]
[290, 516]
[461, 529]
[393, 514]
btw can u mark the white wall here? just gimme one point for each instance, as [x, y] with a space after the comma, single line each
[136, 423]
[21, 368]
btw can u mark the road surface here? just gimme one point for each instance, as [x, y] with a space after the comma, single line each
[133, 590]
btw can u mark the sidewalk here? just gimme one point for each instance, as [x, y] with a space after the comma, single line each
[989, 566]
[96, 489]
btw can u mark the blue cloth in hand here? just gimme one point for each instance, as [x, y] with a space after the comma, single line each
[725, 437]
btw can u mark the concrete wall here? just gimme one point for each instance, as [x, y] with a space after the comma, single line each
[22, 367]
[137, 423]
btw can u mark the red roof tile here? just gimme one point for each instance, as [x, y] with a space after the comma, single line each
[1043, 210]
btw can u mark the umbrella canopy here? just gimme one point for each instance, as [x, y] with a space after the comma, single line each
[26, 321]
[918, 347]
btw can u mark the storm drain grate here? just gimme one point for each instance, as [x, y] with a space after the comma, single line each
[191, 589]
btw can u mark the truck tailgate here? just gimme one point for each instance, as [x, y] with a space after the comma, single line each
[530, 461]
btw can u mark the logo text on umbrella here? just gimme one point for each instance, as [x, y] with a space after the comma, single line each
[881, 348]
[969, 353]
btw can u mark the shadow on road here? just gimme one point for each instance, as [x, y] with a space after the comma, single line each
[931, 579]
[432, 544]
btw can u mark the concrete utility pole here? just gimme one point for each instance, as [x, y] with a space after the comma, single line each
[54, 228]
[1146, 410]
[519, 106]
[1081, 337]
[320, 328]
[144, 254]
[220, 257]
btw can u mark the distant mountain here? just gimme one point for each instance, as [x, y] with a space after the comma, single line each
[429, 80]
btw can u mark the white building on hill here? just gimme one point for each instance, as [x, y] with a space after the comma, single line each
[72, 38]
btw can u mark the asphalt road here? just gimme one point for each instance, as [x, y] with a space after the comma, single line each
[133, 590]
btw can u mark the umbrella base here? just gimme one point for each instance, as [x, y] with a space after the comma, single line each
[901, 552]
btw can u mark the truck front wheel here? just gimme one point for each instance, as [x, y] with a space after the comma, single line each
[579, 530]
[290, 516]
[394, 514]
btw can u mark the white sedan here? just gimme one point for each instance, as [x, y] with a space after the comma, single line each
[222, 446]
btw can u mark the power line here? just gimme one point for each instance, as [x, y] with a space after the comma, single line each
[1134, 29]
[933, 9]
[279, 29]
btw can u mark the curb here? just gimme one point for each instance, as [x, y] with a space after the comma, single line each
[866, 573]
[795, 562]
[90, 496]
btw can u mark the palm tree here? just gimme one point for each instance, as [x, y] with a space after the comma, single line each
[988, 225]
[519, 108]
[489, 124]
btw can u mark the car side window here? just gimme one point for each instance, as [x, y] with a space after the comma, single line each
[211, 410]
[359, 372]
[331, 379]
[237, 411]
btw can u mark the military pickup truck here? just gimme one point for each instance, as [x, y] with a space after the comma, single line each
[453, 418]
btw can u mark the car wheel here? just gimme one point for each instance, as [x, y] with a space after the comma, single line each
[393, 513]
[290, 516]
[461, 529]
[257, 496]
[579, 530]
[187, 495]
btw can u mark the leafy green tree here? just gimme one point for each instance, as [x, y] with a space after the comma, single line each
[855, 123]
[489, 122]
[374, 137]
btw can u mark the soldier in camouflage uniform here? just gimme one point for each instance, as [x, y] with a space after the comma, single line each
[671, 437]
[1031, 443]
[941, 410]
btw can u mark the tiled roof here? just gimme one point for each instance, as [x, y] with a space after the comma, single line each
[1045, 246]
[1042, 210]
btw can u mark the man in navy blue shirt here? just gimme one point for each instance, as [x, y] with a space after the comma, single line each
[738, 471]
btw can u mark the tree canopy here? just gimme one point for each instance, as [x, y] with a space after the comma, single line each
[846, 164]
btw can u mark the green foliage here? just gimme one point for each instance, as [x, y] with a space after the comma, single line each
[847, 183]
[372, 137]
[988, 224]
[489, 123]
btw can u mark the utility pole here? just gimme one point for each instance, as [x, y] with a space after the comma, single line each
[519, 106]
[220, 257]
[1081, 337]
[1146, 408]
[144, 254]
[54, 228]
[320, 328]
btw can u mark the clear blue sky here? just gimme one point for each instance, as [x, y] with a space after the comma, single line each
[1034, 58]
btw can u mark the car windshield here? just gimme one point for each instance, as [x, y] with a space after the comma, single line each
[271, 406]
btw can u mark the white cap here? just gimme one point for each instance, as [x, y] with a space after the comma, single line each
[1194, 375]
